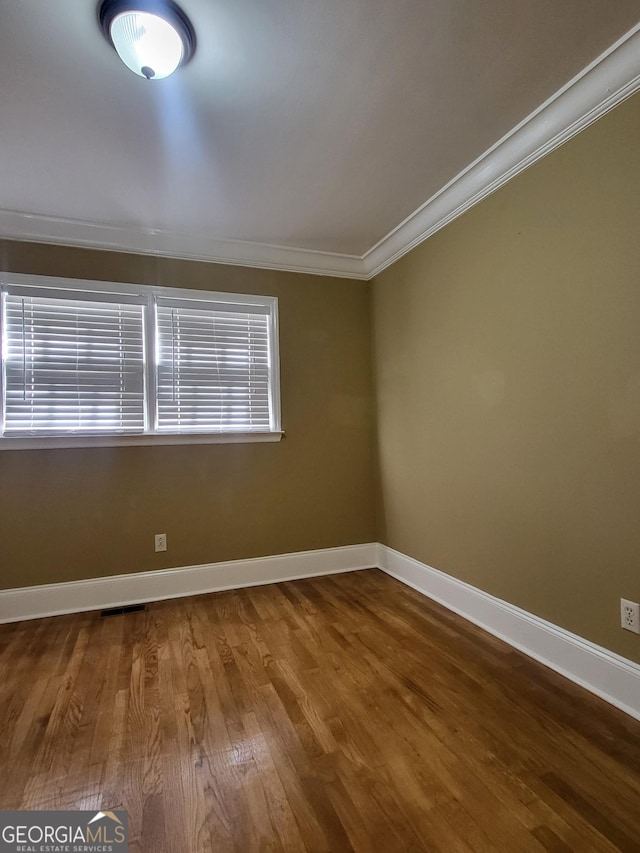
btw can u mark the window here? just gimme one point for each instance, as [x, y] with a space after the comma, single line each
[98, 363]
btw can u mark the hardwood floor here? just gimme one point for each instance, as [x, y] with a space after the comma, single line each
[334, 714]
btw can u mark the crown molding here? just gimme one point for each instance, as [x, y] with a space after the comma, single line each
[35, 228]
[606, 82]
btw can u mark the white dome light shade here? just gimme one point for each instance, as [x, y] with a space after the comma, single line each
[152, 37]
[147, 44]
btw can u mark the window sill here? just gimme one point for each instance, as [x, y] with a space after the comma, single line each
[42, 442]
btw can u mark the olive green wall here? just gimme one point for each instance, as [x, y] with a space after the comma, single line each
[80, 513]
[507, 357]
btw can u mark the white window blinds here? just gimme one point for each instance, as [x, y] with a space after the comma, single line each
[99, 359]
[213, 367]
[73, 362]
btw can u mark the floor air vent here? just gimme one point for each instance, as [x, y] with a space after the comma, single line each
[118, 611]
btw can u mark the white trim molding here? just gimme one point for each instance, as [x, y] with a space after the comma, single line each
[598, 88]
[603, 84]
[37, 228]
[611, 677]
[51, 442]
[34, 602]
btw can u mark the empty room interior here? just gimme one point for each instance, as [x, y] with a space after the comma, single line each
[320, 425]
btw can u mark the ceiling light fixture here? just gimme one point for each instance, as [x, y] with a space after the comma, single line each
[152, 37]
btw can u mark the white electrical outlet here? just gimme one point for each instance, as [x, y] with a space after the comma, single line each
[161, 542]
[630, 615]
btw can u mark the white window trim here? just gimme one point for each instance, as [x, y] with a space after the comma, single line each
[149, 292]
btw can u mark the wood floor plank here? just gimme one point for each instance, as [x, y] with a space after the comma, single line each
[342, 713]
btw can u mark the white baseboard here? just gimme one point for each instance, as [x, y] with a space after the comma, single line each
[611, 677]
[34, 602]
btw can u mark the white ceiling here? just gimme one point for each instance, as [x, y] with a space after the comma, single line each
[314, 124]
